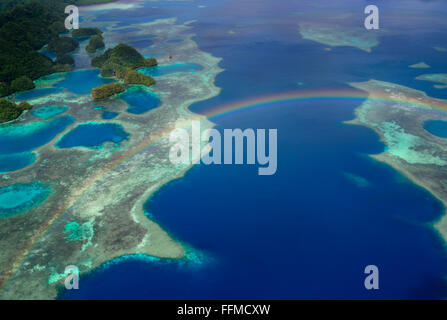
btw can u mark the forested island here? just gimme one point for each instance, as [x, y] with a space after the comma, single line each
[10, 111]
[28, 25]
[121, 62]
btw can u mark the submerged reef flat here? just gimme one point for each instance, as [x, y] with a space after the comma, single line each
[94, 212]
[435, 77]
[398, 113]
[357, 180]
[337, 35]
[440, 49]
[420, 65]
[49, 112]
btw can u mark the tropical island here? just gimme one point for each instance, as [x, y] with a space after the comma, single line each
[96, 42]
[26, 26]
[107, 90]
[24, 30]
[120, 63]
[10, 111]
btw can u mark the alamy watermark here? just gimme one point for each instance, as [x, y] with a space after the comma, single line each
[249, 146]
[71, 277]
[72, 21]
[372, 280]
[372, 20]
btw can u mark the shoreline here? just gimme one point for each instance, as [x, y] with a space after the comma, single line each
[88, 196]
[439, 224]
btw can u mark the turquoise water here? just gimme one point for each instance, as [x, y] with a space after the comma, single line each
[49, 112]
[92, 135]
[37, 93]
[83, 81]
[139, 100]
[17, 138]
[17, 198]
[170, 68]
[436, 127]
[16, 161]
[107, 115]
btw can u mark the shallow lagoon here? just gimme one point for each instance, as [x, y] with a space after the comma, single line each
[17, 198]
[107, 115]
[16, 161]
[49, 112]
[170, 68]
[92, 135]
[83, 81]
[139, 99]
[37, 93]
[17, 138]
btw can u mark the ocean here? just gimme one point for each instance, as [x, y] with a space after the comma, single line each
[309, 231]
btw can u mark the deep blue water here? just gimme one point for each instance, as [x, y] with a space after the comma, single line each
[308, 231]
[92, 135]
[107, 115]
[436, 127]
[141, 43]
[139, 100]
[16, 161]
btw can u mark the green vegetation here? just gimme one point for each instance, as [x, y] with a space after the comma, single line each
[95, 43]
[124, 56]
[86, 32]
[63, 45]
[9, 4]
[107, 90]
[25, 27]
[5, 89]
[10, 111]
[62, 68]
[121, 61]
[134, 77]
[151, 62]
[22, 83]
[65, 59]
[110, 69]
[23, 31]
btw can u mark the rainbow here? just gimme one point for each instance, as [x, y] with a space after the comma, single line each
[312, 95]
[255, 103]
